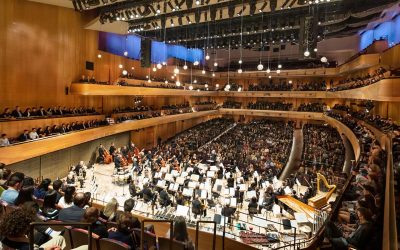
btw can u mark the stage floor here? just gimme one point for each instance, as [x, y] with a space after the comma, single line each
[100, 183]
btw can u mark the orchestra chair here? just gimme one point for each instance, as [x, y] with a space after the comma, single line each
[79, 237]
[109, 244]
[166, 244]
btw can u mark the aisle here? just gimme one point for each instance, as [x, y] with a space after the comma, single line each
[295, 155]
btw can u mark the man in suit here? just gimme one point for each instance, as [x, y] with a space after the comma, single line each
[196, 207]
[41, 112]
[17, 113]
[164, 198]
[74, 213]
[24, 136]
[228, 212]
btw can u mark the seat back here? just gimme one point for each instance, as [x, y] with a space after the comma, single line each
[111, 224]
[79, 237]
[165, 244]
[149, 239]
[109, 244]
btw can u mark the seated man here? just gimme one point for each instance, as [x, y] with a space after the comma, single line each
[196, 207]
[75, 212]
[33, 134]
[11, 194]
[165, 200]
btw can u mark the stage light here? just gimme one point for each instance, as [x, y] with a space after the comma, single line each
[125, 53]
[215, 64]
[99, 56]
[268, 70]
[176, 71]
[278, 71]
[178, 83]
[203, 71]
[207, 57]
[120, 66]
[240, 71]
[240, 61]
[154, 69]
[196, 63]
[324, 59]
[260, 66]
[149, 80]
[166, 82]
[206, 85]
[306, 53]
[124, 72]
[213, 74]
[279, 66]
[159, 66]
[194, 81]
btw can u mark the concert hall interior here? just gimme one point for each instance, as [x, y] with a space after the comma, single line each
[199, 124]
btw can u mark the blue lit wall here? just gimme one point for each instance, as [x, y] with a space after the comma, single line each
[389, 30]
[117, 44]
[160, 52]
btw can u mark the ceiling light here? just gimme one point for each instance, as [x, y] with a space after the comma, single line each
[268, 70]
[279, 66]
[154, 69]
[125, 53]
[315, 50]
[185, 67]
[306, 53]
[207, 57]
[120, 66]
[215, 64]
[203, 71]
[240, 61]
[178, 83]
[99, 55]
[176, 71]
[159, 66]
[240, 71]
[124, 72]
[260, 66]
[190, 87]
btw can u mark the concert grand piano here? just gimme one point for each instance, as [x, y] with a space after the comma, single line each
[321, 199]
[297, 205]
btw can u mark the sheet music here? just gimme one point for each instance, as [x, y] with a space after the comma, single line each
[169, 177]
[187, 192]
[182, 211]
[251, 194]
[180, 180]
[213, 168]
[210, 174]
[192, 184]
[195, 177]
[203, 194]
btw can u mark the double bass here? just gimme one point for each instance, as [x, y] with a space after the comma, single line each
[107, 157]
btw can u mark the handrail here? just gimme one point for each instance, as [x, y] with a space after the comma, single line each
[171, 231]
[197, 233]
[80, 224]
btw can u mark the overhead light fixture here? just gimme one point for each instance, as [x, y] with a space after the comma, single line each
[124, 72]
[125, 53]
[260, 66]
[190, 87]
[176, 70]
[240, 61]
[207, 57]
[159, 66]
[306, 53]
[268, 70]
[178, 83]
[279, 66]
[240, 71]
[185, 67]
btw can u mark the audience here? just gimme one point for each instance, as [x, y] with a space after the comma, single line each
[181, 233]
[263, 105]
[124, 230]
[312, 107]
[91, 216]
[76, 211]
[12, 192]
[56, 111]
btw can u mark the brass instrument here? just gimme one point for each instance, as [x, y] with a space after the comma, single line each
[321, 199]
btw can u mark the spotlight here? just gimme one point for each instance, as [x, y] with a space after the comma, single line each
[240, 71]
[268, 70]
[159, 66]
[306, 53]
[190, 87]
[125, 53]
[124, 72]
[260, 66]
[207, 57]
[99, 56]
[178, 83]
[176, 71]
[240, 61]
[120, 66]
[203, 71]
[215, 64]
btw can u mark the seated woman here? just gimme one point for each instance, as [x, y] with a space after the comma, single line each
[43, 187]
[181, 233]
[91, 216]
[253, 206]
[25, 195]
[67, 199]
[110, 210]
[49, 210]
[124, 230]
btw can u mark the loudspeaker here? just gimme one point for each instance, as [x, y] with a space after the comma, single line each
[89, 65]
[145, 53]
[66, 90]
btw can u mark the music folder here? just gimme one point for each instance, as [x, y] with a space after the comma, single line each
[182, 211]
[210, 174]
[204, 194]
[187, 192]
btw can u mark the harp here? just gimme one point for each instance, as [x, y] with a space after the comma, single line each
[321, 199]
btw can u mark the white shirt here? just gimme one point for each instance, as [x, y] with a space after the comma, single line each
[33, 135]
[62, 203]
[4, 142]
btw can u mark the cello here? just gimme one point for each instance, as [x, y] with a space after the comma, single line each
[107, 157]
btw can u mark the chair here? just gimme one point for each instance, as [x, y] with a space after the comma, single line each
[111, 224]
[149, 239]
[79, 237]
[164, 244]
[109, 244]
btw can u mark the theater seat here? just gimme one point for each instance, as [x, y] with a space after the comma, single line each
[164, 244]
[79, 237]
[109, 244]
[149, 239]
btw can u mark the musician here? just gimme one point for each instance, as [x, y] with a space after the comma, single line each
[147, 193]
[165, 200]
[231, 181]
[101, 154]
[239, 195]
[132, 189]
[118, 161]
[253, 206]
[228, 212]
[180, 199]
[112, 149]
[197, 207]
